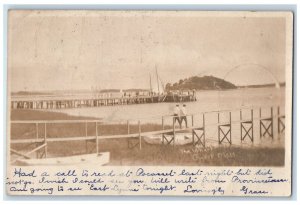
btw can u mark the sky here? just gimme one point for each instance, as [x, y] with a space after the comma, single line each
[70, 50]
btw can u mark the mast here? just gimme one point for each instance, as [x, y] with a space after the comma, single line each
[157, 79]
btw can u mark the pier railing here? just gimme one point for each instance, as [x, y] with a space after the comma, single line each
[41, 132]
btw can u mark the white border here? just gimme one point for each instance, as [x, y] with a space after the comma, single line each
[114, 2]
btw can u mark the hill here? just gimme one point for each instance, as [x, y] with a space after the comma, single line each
[201, 83]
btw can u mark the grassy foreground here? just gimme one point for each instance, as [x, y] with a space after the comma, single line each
[148, 155]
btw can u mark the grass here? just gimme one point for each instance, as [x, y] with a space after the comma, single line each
[149, 155]
[43, 115]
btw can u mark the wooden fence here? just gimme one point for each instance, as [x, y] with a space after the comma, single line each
[168, 135]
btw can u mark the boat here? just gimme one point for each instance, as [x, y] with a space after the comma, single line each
[98, 159]
[183, 138]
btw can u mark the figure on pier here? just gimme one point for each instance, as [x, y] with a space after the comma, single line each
[183, 113]
[176, 115]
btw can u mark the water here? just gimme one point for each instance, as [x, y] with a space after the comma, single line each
[206, 101]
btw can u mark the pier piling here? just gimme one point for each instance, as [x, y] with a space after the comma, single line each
[224, 130]
[280, 121]
[266, 125]
[246, 127]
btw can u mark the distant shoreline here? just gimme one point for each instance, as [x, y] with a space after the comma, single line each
[86, 92]
[262, 86]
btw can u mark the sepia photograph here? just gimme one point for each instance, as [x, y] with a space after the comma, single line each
[149, 90]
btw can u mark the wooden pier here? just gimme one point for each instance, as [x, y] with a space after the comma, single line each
[198, 132]
[68, 102]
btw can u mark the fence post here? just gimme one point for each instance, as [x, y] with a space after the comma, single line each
[86, 131]
[192, 120]
[97, 147]
[272, 124]
[128, 132]
[271, 111]
[45, 140]
[163, 127]
[203, 129]
[219, 128]
[260, 112]
[173, 131]
[86, 142]
[140, 137]
[128, 128]
[241, 122]
[230, 126]
[278, 119]
[252, 125]
[37, 137]
[260, 131]
[37, 130]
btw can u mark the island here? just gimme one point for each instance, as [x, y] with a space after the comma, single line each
[201, 83]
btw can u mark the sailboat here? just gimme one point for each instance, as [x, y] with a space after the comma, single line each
[160, 87]
[157, 91]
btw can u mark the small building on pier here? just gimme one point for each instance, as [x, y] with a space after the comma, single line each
[136, 92]
[110, 93]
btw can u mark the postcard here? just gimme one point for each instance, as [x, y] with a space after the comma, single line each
[156, 103]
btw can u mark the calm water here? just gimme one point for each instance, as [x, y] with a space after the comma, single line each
[207, 101]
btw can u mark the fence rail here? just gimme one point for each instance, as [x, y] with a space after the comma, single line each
[168, 134]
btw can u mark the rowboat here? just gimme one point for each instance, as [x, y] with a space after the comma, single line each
[180, 138]
[98, 159]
